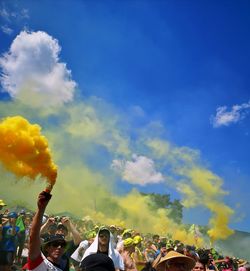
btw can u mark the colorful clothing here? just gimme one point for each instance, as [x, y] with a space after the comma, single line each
[8, 242]
[41, 264]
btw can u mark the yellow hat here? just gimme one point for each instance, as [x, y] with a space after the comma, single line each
[137, 239]
[176, 255]
[128, 242]
[2, 203]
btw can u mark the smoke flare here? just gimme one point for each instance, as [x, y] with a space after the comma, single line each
[24, 151]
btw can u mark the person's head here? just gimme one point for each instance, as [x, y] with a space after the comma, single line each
[22, 213]
[163, 248]
[112, 229]
[103, 237]
[129, 245]
[52, 229]
[156, 238]
[174, 261]
[127, 234]
[199, 266]
[97, 262]
[53, 247]
[137, 240]
[12, 216]
[61, 229]
[179, 248]
[27, 221]
[90, 236]
[148, 243]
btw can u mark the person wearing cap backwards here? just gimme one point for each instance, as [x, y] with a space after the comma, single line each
[53, 246]
[103, 244]
[8, 242]
[175, 261]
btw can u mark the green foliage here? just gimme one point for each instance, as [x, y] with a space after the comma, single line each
[158, 201]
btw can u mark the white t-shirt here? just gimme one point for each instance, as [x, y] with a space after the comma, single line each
[41, 264]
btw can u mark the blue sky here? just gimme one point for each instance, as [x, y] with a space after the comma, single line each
[172, 70]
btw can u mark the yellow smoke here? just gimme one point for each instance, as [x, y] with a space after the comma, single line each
[87, 188]
[136, 214]
[24, 151]
[206, 190]
[199, 186]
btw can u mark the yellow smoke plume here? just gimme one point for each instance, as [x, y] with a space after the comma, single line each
[206, 190]
[24, 151]
[199, 186]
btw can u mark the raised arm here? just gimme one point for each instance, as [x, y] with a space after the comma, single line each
[34, 242]
[75, 234]
[45, 226]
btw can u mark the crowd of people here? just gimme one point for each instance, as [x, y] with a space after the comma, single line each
[40, 242]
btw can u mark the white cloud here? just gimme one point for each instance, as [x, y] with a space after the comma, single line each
[32, 71]
[225, 118]
[5, 14]
[139, 171]
[7, 30]
[14, 15]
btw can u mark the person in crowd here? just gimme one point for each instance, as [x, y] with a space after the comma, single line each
[149, 252]
[175, 261]
[138, 256]
[155, 242]
[162, 253]
[27, 223]
[127, 233]
[66, 228]
[103, 244]
[8, 242]
[128, 250]
[199, 266]
[20, 236]
[114, 232]
[48, 228]
[53, 247]
[77, 255]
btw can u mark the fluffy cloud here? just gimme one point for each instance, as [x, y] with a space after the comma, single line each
[139, 171]
[225, 118]
[32, 72]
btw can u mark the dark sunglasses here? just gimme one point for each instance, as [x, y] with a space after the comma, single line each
[58, 243]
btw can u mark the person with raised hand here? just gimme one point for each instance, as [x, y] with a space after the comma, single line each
[52, 248]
